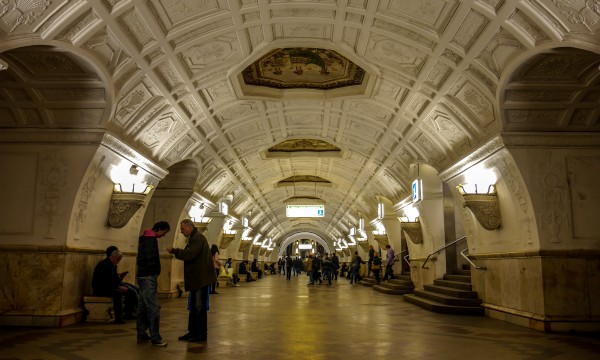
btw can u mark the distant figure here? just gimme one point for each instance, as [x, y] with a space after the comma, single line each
[243, 270]
[335, 261]
[255, 268]
[107, 281]
[370, 261]
[389, 262]
[214, 250]
[355, 268]
[376, 266]
[288, 266]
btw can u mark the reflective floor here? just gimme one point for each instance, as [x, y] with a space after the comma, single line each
[278, 319]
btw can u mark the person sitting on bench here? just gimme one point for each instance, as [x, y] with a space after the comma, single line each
[107, 281]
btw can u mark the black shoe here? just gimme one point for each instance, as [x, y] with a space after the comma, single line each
[185, 337]
[161, 343]
[214, 292]
[143, 339]
[197, 339]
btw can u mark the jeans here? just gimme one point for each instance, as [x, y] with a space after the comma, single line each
[198, 317]
[288, 270]
[148, 308]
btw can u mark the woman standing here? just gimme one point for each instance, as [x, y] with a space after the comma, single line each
[376, 266]
[214, 250]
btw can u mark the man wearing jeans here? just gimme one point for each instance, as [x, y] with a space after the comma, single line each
[148, 269]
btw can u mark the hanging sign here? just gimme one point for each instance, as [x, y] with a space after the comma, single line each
[305, 210]
[417, 190]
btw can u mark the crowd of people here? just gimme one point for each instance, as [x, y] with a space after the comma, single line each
[202, 267]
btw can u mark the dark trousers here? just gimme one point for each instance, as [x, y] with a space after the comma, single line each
[388, 272]
[130, 302]
[213, 287]
[376, 273]
[198, 318]
[289, 272]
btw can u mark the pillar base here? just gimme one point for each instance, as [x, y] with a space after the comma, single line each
[39, 318]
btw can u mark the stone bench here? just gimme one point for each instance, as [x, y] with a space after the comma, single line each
[225, 280]
[99, 308]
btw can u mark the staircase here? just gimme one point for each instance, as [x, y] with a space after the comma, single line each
[401, 285]
[452, 295]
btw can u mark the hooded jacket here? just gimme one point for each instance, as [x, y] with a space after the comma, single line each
[148, 259]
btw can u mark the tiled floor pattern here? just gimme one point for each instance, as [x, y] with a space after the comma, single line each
[274, 319]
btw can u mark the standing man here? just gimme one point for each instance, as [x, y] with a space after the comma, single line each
[148, 269]
[198, 273]
[288, 266]
[389, 262]
[336, 265]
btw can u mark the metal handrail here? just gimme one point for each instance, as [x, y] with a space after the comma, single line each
[462, 253]
[406, 260]
[438, 250]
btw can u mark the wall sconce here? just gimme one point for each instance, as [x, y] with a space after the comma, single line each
[129, 194]
[484, 206]
[413, 230]
[228, 236]
[411, 224]
[202, 222]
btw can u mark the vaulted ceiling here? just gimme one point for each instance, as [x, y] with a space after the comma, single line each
[440, 78]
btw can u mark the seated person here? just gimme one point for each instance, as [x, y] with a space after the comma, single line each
[228, 269]
[106, 281]
[244, 271]
[255, 268]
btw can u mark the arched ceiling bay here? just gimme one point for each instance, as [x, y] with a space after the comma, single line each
[435, 67]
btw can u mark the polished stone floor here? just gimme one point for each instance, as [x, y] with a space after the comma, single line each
[277, 319]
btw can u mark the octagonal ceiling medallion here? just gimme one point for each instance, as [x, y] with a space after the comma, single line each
[304, 68]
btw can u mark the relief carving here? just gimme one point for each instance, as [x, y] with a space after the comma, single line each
[86, 194]
[52, 183]
[22, 12]
[552, 182]
[582, 12]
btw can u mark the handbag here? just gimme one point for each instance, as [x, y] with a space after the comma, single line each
[375, 267]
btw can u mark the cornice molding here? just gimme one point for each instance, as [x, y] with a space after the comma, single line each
[554, 140]
[484, 152]
[122, 149]
[51, 136]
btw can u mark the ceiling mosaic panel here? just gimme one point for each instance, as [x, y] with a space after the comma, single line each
[305, 68]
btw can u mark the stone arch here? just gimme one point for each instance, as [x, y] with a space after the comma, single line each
[304, 235]
[182, 175]
[43, 76]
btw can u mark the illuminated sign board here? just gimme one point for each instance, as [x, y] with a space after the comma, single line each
[417, 190]
[305, 247]
[305, 210]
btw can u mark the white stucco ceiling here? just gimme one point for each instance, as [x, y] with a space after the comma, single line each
[445, 76]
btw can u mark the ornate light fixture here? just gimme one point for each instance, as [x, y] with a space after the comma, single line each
[411, 224]
[129, 194]
[481, 197]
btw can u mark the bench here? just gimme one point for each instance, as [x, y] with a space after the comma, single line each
[225, 280]
[99, 308]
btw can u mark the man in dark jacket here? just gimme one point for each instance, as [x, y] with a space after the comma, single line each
[107, 281]
[148, 269]
[198, 273]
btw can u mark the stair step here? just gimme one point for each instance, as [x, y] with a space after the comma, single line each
[442, 308]
[368, 282]
[463, 294]
[392, 291]
[461, 272]
[399, 282]
[396, 286]
[403, 277]
[446, 299]
[461, 285]
[462, 278]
